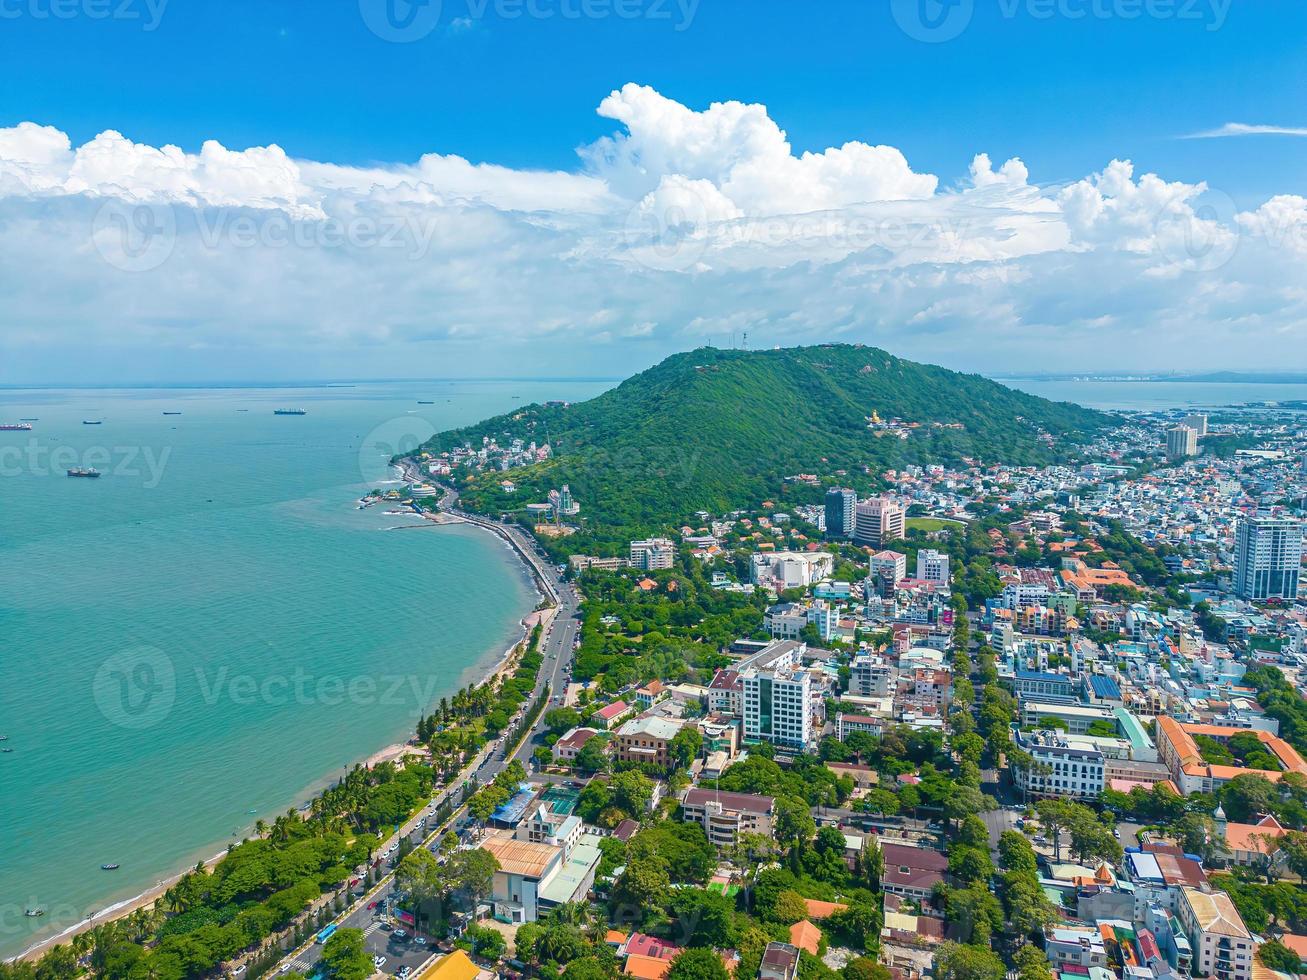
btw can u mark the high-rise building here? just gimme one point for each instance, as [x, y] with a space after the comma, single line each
[777, 706]
[840, 503]
[1267, 558]
[878, 520]
[1196, 422]
[932, 566]
[1181, 441]
[653, 553]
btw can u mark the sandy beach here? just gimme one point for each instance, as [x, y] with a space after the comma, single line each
[504, 664]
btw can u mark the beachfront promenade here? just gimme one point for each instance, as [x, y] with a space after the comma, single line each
[559, 627]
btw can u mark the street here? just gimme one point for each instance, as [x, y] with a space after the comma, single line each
[561, 628]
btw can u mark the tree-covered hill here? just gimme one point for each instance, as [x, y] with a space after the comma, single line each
[719, 429]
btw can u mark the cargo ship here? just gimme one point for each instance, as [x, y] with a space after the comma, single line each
[88, 474]
[15, 427]
[289, 411]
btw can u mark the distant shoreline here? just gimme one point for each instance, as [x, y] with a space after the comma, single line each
[486, 671]
[1242, 379]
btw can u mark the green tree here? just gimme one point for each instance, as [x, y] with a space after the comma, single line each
[631, 792]
[685, 747]
[1276, 956]
[1015, 854]
[344, 957]
[865, 968]
[956, 961]
[790, 907]
[1031, 963]
[697, 964]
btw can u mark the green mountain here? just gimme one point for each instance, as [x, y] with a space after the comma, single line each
[718, 429]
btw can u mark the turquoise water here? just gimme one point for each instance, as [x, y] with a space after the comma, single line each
[210, 630]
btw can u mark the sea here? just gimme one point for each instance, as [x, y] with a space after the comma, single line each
[1157, 396]
[212, 630]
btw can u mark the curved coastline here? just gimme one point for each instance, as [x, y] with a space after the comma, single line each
[484, 667]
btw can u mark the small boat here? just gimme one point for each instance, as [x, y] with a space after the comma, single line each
[29, 420]
[33, 913]
[7, 751]
[92, 422]
[426, 403]
[108, 867]
[86, 474]
[4, 738]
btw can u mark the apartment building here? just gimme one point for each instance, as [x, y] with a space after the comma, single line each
[1222, 945]
[878, 520]
[653, 553]
[724, 816]
[1181, 442]
[1064, 765]
[1267, 558]
[846, 724]
[725, 693]
[777, 706]
[871, 677]
[932, 566]
[891, 564]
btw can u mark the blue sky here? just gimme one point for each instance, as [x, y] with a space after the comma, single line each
[1067, 93]
[1065, 85]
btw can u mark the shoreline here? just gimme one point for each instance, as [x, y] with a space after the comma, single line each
[482, 667]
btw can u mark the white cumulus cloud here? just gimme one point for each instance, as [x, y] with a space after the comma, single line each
[682, 225]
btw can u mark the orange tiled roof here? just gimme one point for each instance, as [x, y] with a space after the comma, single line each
[806, 936]
[1253, 836]
[647, 967]
[818, 909]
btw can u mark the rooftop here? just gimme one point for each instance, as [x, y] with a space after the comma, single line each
[1215, 913]
[519, 857]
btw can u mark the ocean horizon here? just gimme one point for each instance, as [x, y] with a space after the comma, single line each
[213, 631]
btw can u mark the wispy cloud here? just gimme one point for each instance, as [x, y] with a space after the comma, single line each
[1246, 129]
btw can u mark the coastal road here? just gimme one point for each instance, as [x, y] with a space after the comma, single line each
[369, 913]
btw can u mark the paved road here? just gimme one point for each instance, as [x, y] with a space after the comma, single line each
[370, 912]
